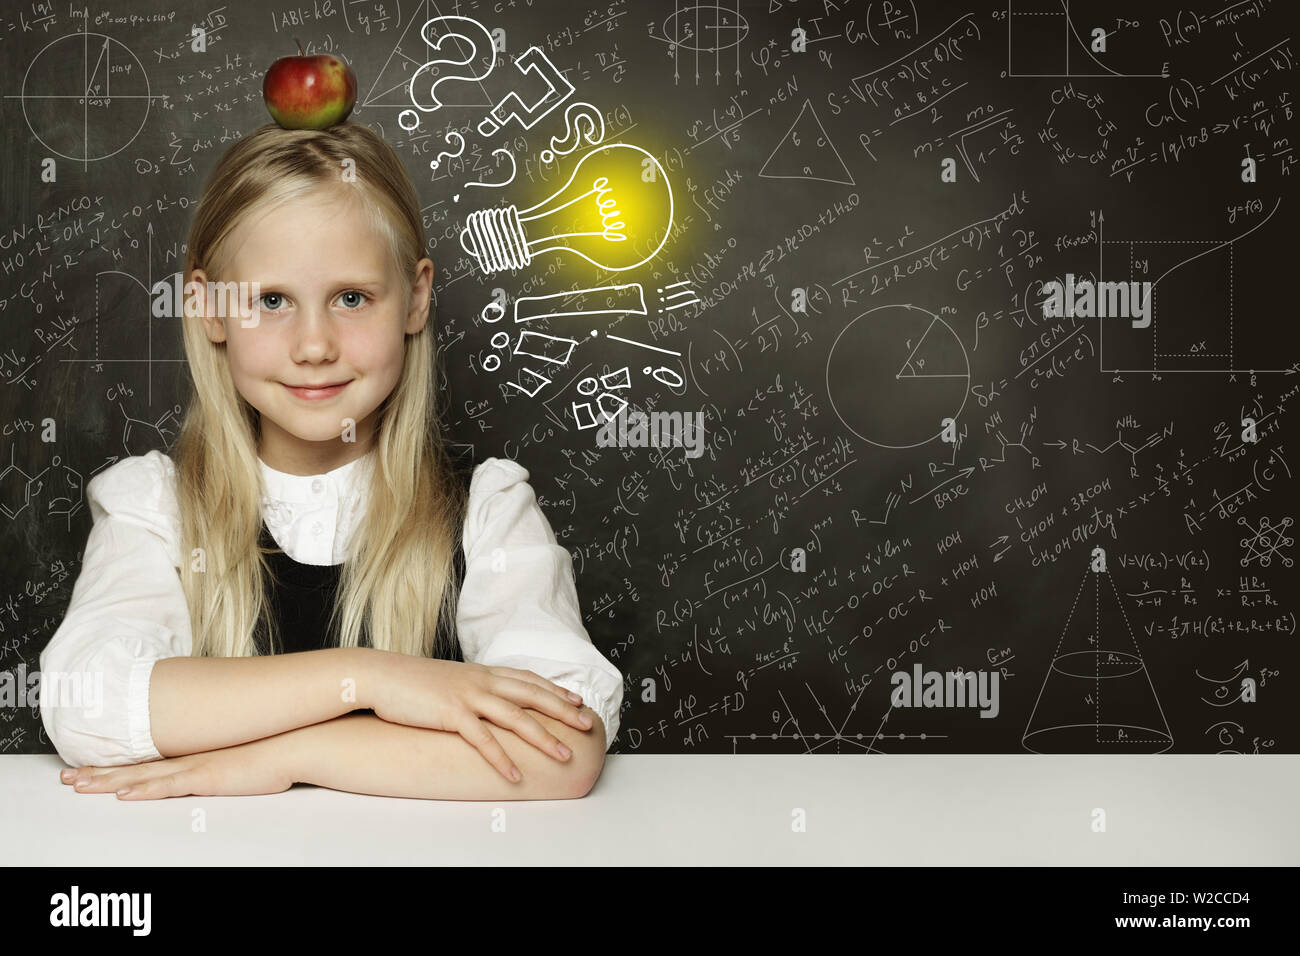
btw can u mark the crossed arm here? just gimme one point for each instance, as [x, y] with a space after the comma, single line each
[287, 724]
[362, 753]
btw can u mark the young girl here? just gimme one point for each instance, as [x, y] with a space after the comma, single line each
[294, 564]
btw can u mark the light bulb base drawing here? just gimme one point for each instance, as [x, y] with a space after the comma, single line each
[495, 239]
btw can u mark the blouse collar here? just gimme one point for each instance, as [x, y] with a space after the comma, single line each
[282, 486]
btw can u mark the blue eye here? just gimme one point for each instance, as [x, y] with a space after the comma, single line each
[352, 299]
[271, 302]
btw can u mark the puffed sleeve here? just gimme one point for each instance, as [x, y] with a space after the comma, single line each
[518, 602]
[127, 611]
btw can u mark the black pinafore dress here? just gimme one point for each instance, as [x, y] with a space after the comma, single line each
[302, 598]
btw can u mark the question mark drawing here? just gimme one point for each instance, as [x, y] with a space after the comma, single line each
[514, 168]
[576, 116]
[479, 40]
[512, 107]
[434, 163]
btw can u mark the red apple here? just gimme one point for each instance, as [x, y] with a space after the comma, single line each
[309, 92]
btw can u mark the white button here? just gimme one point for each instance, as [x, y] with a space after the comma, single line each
[316, 486]
[316, 528]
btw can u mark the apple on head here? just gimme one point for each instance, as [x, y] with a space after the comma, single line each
[309, 92]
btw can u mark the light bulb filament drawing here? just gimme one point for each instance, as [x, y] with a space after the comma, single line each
[616, 193]
[600, 188]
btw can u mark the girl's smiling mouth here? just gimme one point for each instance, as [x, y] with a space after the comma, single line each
[311, 394]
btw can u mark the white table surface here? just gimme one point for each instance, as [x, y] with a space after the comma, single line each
[707, 809]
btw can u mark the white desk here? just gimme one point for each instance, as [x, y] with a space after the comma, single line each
[705, 809]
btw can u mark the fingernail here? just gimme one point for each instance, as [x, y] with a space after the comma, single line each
[66, 775]
[564, 751]
[576, 698]
[124, 791]
[584, 719]
[515, 775]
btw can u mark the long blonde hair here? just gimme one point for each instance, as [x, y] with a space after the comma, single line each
[397, 581]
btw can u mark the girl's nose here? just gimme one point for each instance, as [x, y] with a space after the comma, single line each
[315, 335]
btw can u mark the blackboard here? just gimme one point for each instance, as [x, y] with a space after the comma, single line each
[908, 466]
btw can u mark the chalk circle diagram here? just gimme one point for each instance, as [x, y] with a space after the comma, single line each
[1097, 696]
[894, 373]
[706, 28]
[85, 97]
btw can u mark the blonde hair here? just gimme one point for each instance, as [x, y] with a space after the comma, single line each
[397, 581]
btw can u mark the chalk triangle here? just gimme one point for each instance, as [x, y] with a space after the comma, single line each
[936, 354]
[97, 85]
[391, 86]
[807, 152]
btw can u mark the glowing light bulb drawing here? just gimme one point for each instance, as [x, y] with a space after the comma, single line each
[615, 211]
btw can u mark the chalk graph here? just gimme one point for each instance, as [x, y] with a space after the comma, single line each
[85, 97]
[1207, 313]
[1044, 39]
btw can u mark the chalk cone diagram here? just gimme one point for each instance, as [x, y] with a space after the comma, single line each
[1097, 696]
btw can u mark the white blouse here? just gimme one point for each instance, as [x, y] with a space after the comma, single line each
[128, 610]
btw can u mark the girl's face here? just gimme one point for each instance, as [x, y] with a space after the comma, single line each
[331, 309]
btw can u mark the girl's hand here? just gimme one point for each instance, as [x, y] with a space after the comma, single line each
[458, 697]
[246, 769]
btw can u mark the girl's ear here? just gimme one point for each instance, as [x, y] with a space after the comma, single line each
[418, 312]
[196, 305]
